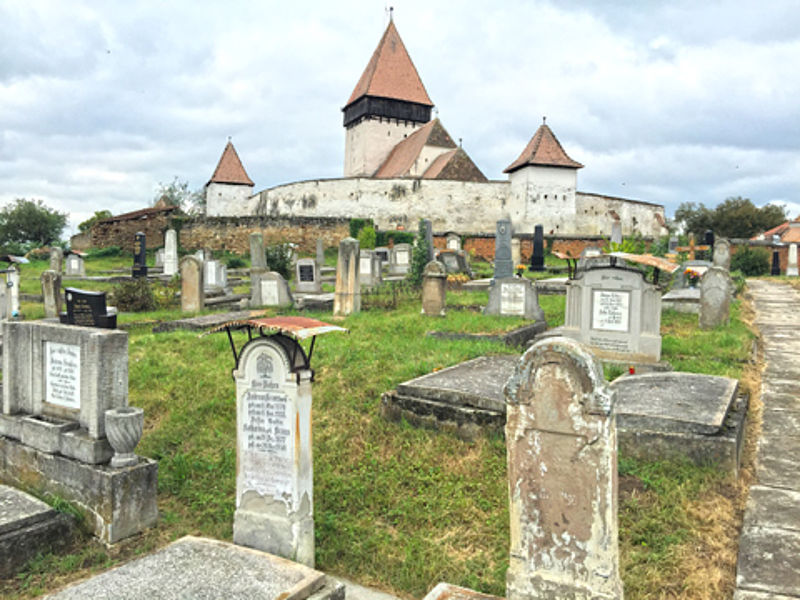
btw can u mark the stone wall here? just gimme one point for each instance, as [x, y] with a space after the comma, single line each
[120, 233]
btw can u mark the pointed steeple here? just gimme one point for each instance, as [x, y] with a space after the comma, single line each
[543, 150]
[230, 169]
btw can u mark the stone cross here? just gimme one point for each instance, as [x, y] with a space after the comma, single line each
[561, 445]
[258, 260]
[274, 464]
[722, 254]
[537, 258]
[347, 295]
[51, 293]
[170, 252]
[434, 289]
[791, 265]
[192, 293]
[503, 265]
[716, 290]
[139, 255]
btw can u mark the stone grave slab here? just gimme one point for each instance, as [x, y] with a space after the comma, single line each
[773, 507]
[769, 561]
[448, 591]
[195, 567]
[685, 300]
[206, 322]
[28, 526]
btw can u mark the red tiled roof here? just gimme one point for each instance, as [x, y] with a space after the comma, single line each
[390, 73]
[792, 235]
[139, 214]
[454, 165]
[543, 150]
[777, 230]
[230, 169]
[401, 158]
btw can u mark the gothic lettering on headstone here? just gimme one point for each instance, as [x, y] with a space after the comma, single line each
[62, 374]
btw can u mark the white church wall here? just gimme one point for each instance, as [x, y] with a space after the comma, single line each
[225, 199]
[544, 195]
[635, 216]
[368, 143]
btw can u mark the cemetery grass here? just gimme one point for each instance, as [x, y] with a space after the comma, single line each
[396, 507]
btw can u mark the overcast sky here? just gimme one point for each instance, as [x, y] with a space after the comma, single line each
[100, 101]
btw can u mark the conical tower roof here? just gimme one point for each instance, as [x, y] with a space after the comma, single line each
[543, 150]
[390, 73]
[230, 169]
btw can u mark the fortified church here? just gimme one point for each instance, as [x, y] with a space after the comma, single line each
[400, 166]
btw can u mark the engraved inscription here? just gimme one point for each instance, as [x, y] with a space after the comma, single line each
[609, 344]
[402, 257]
[365, 265]
[269, 292]
[512, 299]
[610, 310]
[63, 375]
[306, 272]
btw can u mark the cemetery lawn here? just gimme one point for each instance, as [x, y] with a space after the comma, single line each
[396, 507]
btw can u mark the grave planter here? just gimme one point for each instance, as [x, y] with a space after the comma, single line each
[124, 430]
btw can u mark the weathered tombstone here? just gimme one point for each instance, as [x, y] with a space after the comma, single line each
[12, 292]
[681, 277]
[347, 296]
[434, 289]
[503, 265]
[307, 276]
[201, 255]
[320, 253]
[75, 266]
[776, 263]
[673, 244]
[159, 258]
[51, 293]
[616, 232]
[170, 252]
[192, 291]
[269, 289]
[722, 254]
[514, 297]
[428, 239]
[453, 241]
[56, 258]
[87, 309]
[537, 258]
[258, 259]
[139, 255]
[455, 261]
[561, 447]
[369, 268]
[616, 313]
[274, 475]
[212, 274]
[516, 252]
[400, 259]
[716, 290]
[383, 253]
[791, 265]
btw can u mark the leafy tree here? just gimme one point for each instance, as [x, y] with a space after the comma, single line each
[367, 237]
[177, 193]
[751, 261]
[736, 217]
[99, 215]
[419, 256]
[29, 223]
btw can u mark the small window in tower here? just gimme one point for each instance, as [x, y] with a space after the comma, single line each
[545, 196]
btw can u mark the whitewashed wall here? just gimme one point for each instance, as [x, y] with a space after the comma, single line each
[636, 216]
[225, 199]
[367, 144]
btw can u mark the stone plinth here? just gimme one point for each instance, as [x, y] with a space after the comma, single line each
[434, 289]
[514, 297]
[347, 296]
[685, 300]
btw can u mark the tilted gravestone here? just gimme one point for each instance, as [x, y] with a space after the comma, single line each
[716, 291]
[722, 254]
[87, 309]
[274, 475]
[51, 293]
[434, 289]
[791, 265]
[503, 265]
[561, 446]
[258, 259]
[170, 252]
[369, 268]
[75, 266]
[307, 276]
[139, 255]
[269, 289]
[192, 293]
[347, 296]
[537, 258]
[455, 261]
[400, 259]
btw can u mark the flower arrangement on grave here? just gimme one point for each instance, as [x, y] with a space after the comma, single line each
[692, 276]
[520, 270]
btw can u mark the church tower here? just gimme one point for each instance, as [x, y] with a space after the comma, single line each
[229, 187]
[388, 104]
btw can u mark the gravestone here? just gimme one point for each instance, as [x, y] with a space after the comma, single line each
[51, 293]
[616, 232]
[616, 313]
[269, 289]
[347, 296]
[383, 253]
[716, 291]
[369, 268]
[514, 297]
[561, 445]
[56, 258]
[791, 265]
[709, 238]
[139, 255]
[434, 289]
[776, 264]
[12, 292]
[192, 293]
[722, 254]
[537, 257]
[673, 245]
[503, 265]
[87, 309]
[258, 259]
[428, 239]
[682, 280]
[307, 276]
[274, 475]
[211, 274]
[455, 261]
[75, 266]
[170, 252]
[516, 252]
[159, 258]
[320, 253]
[400, 259]
[453, 241]
[201, 255]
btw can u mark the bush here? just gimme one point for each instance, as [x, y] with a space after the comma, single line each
[738, 281]
[419, 256]
[367, 237]
[102, 252]
[356, 225]
[279, 259]
[235, 262]
[134, 295]
[398, 237]
[751, 261]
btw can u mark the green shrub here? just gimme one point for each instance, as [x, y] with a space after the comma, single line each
[738, 281]
[367, 237]
[236, 262]
[398, 237]
[134, 295]
[356, 225]
[419, 256]
[751, 261]
[102, 252]
[279, 259]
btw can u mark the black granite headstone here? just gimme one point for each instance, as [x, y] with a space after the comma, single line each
[537, 258]
[384, 255]
[776, 263]
[87, 309]
[428, 239]
[306, 272]
[139, 255]
[709, 238]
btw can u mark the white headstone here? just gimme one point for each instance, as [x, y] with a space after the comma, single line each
[791, 265]
[170, 252]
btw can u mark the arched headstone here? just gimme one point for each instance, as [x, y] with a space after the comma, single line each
[192, 294]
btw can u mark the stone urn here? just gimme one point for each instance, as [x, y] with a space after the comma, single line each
[124, 430]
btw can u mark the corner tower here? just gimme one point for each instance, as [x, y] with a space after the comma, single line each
[388, 103]
[229, 186]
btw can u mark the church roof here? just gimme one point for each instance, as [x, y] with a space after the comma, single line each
[544, 150]
[390, 73]
[455, 165]
[230, 169]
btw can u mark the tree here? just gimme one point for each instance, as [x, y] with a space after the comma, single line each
[419, 256]
[27, 223]
[178, 194]
[736, 217]
[99, 215]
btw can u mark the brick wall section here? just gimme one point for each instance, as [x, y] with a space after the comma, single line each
[233, 233]
[121, 233]
[483, 246]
